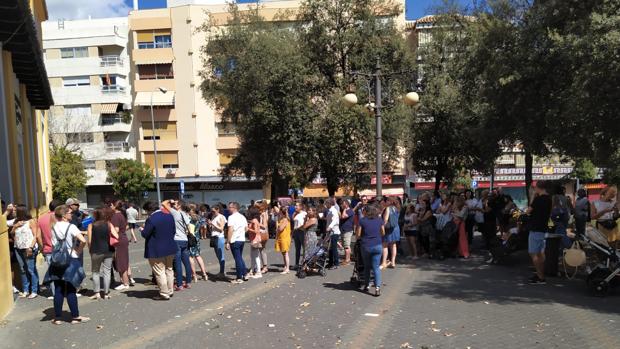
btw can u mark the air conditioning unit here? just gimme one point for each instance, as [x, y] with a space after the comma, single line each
[188, 19]
[194, 114]
[192, 83]
[190, 52]
[171, 172]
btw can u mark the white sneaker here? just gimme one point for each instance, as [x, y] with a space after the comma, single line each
[77, 294]
[50, 297]
[33, 296]
[121, 287]
[15, 290]
[257, 276]
[132, 282]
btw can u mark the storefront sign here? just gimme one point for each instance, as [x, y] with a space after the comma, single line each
[211, 186]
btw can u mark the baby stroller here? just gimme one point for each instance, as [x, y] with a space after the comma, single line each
[357, 278]
[316, 258]
[515, 241]
[447, 240]
[606, 272]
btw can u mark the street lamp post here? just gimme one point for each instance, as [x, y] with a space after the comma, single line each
[350, 99]
[162, 90]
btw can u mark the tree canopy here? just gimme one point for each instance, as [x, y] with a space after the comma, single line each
[130, 178]
[68, 175]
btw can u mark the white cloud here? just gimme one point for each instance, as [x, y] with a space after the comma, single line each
[81, 9]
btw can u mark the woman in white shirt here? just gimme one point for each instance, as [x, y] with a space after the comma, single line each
[604, 211]
[67, 279]
[25, 233]
[217, 223]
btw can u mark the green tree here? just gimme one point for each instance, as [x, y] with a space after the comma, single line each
[351, 35]
[258, 77]
[68, 175]
[584, 170]
[447, 136]
[130, 178]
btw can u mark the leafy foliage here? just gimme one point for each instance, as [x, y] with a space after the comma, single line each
[68, 175]
[258, 78]
[130, 178]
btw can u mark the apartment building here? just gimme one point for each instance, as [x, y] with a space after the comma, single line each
[25, 97]
[192, 146]
[88, 68]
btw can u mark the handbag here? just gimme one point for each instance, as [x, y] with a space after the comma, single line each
[191, 238]
[574, 257]
[264, 236]
[60, 257]
[213, 241]
[114, 241]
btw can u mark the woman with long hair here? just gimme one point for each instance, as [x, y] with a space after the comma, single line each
[459, 214]
[218, 240]
[194, 251]
[26, 241]
[121, 256]
[101, 252]
[411, 230]
[283, 237]
[255, 242]
[66, 278]
[392, 233]
[605, 212]
[263, 221]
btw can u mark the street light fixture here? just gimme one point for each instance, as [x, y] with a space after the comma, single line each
[162, 90]
[350, 99]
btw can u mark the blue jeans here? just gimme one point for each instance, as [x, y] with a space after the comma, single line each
[28, 270]
[65, 289]
[48, 260]
[219, 252]
[182, 256]
[237, 250]
[372, 259]
[333, 251]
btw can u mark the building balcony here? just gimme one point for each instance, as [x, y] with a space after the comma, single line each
[113, 89]
[86, 66]
[111, 61]
[227, 142]
[146, 145]
[116, 147]
[153, 56]
[153, 85]
[159, 114]
[114, 123]
[89, 94]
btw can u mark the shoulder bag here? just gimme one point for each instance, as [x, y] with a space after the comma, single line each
[114, 241]
[191, 238]
[574, 257]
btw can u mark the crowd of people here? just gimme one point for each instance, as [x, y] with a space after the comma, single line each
[175, 231]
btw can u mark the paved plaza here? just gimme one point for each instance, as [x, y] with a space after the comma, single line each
[427, 304]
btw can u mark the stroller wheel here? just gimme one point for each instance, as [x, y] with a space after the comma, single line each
[301, 274]
[323, 272]
[596, 282]
[353, 279]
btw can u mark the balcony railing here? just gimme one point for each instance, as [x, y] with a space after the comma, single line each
[148, 45]
[117, 147]
[111, 61]
[112, 89]
[111, 119]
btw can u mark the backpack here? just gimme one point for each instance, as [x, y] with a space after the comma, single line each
[61, 257]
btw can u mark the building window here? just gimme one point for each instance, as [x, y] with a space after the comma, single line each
[155, 71]
[81, 137]
[148, 39]
[111, 119]
[164, 130]
[76, 81]
[226, 129]
[77, 110]
[74, 52]
[111, 165]
[89, 164]
[165, 159]
[112, 83]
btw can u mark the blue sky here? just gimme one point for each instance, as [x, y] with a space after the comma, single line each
[415, 9]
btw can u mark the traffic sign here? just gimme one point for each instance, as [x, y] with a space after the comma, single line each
[182, 186]
[474, 184]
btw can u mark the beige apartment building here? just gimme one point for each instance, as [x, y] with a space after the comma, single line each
[192, 145]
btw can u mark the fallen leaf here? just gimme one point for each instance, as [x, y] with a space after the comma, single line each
[304, 304]
[99, 327]
[406, 345]
[272, 325]
[371, 314]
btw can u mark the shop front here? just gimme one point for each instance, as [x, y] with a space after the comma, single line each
[210, 191]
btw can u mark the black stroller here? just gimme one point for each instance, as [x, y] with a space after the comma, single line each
[357, 279]
[606, 272]
[316, 258]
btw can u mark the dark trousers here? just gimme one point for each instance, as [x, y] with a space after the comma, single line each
[65, 290]
[298, 238]
[181, 259]
[333, 251]
[470, 222]
[237, 250]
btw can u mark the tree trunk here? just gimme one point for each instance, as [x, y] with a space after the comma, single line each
[528, 173]
[332, 186]
[439, 173]
[279, 186]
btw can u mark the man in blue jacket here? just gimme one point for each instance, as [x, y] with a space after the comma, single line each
[159, 247]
